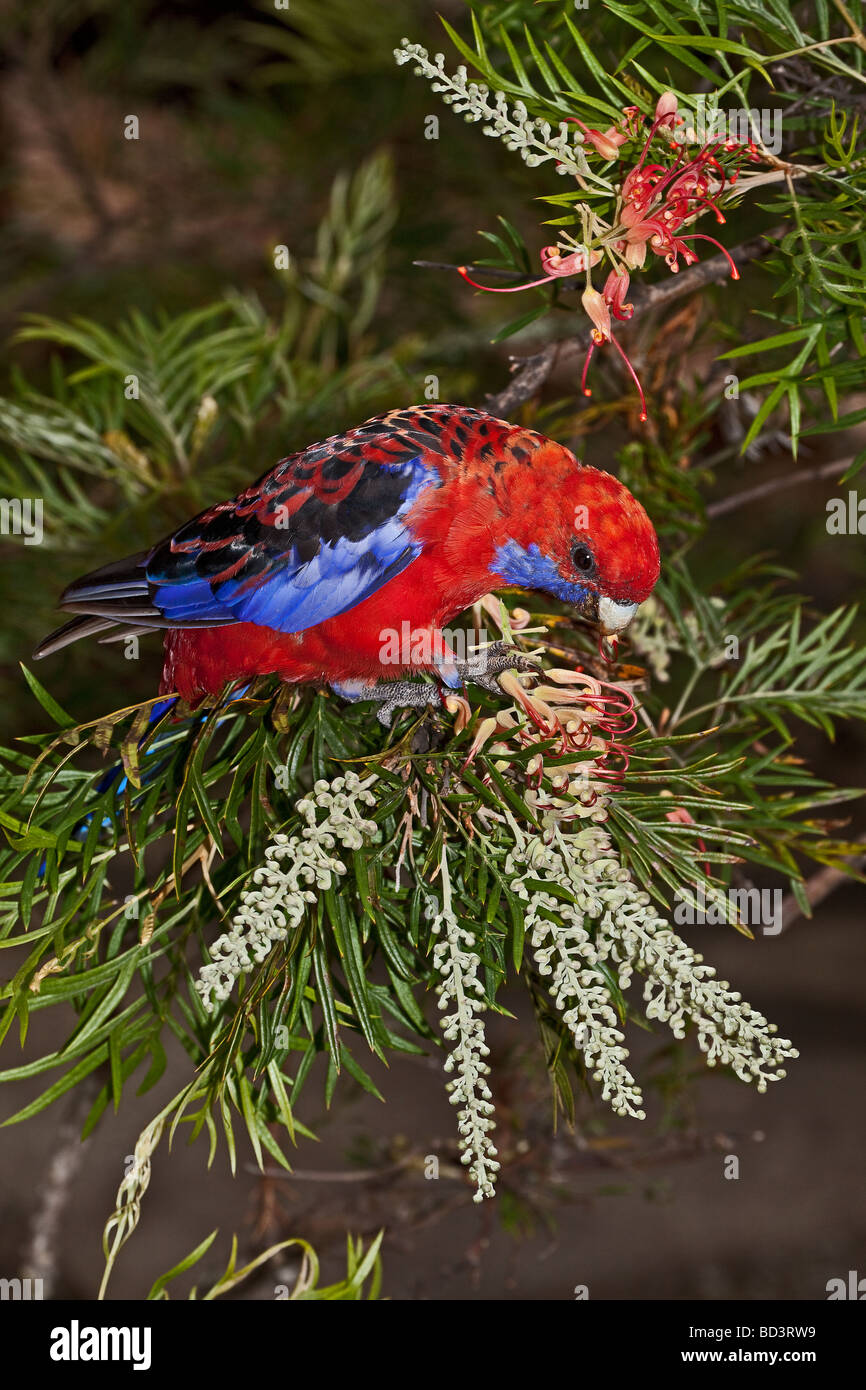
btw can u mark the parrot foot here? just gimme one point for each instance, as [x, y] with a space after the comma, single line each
[396, 695]
[485, 668]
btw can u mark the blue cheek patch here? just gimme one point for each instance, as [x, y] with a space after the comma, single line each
[529, 569]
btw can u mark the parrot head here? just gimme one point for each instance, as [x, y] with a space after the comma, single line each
[578, 534]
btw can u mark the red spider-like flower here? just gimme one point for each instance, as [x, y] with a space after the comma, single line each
[599, 307]
[656, 202]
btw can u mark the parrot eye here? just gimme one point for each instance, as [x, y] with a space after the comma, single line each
[582, 558]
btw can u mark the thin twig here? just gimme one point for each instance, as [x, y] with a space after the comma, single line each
[40, 1258]
[752, 494]
[532, 372]
[856, 32]
[299, 1175]
[820, 886]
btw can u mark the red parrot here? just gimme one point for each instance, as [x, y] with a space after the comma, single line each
[398, 525]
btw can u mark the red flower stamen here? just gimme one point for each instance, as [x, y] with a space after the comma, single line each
[590, 350]
[503, 289]
[699, 236]
[634, 376]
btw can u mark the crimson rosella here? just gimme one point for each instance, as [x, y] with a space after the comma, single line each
[407, 520]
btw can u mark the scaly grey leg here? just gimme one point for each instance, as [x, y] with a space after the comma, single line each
[392, 696]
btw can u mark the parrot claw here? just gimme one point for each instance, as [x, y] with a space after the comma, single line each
[485, 668]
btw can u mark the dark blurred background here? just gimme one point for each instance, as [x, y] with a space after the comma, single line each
[247, 115]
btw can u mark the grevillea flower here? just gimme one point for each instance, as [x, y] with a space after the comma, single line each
[666, 110]
[554, 264]
[569, 716]
[658, 200]
[608, 142]
[615, 291]
[598, 310]
[599, 307]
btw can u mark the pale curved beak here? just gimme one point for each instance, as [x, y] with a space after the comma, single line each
[614, 617]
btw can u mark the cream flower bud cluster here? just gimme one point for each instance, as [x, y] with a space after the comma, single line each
[631, 936]
[680, 986]
[457, 966]
[568, 956]
[534, 140]
[295, 870]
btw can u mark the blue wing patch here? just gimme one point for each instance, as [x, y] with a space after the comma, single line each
[339, 577]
